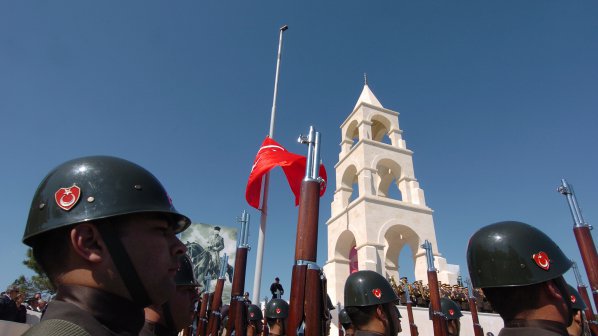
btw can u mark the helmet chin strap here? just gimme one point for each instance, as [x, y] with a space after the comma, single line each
[391, 324]
[123, 264]
[167, 314]
[562, 288]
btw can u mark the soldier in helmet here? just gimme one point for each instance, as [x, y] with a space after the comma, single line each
[177, 313]
[371, 302]
[520, 270]
[345, 321]
[452, 314]
[254, 320]
[579, 323]
[104, 230]
[277, 311]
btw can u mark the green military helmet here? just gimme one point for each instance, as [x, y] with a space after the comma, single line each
[344, 317]
[368, 288]
[184, 275]
[449, 308]
[254, 313]
[511, 253]
[277, 308]
[576, 300]
[96, 187]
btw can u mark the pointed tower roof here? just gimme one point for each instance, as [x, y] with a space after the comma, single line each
[367, 96]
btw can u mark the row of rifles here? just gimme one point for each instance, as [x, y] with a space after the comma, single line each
[309, 282]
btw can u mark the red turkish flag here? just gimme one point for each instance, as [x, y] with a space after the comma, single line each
[270, 155]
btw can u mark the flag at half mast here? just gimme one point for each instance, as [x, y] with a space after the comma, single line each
[271, 155]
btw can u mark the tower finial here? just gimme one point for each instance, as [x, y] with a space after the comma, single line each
[365, 78]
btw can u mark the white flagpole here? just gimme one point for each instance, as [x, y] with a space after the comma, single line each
[257, 279]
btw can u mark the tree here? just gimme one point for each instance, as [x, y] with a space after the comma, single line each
[39, 283]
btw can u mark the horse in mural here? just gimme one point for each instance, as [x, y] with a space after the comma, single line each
[203, 265]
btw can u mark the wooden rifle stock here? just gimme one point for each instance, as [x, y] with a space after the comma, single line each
[438, 320]
[592, 323]
[412, 326]
[477, 328]
[237, 315]
[584, 239]
[341, 331]
[202, 319]
[215, 316]
[589, 256]
[306, 285]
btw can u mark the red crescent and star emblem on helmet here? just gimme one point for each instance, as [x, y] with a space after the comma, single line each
[66, 198]
[377, 293]
[451, 312]
[277, 310]
[251, 314]
[573, 299]
[541, 259]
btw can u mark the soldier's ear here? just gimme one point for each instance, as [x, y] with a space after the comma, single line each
[87, 242]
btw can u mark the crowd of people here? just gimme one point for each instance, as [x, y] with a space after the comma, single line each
[104, 231]
[14, 304]
[419, 294]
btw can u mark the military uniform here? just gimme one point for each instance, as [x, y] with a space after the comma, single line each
[533, 328]
[97, 312]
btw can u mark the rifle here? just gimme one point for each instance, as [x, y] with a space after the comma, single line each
[412, 327]
[477, 327]
[215, 316]
[581, 229]
[341, 332]
[306, 286]
[202, 316]
[438, 318]
[265, 328]
[583, 292]
[237, 314]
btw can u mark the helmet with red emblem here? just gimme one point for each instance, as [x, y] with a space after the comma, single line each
[449, 308]
[96, 187]
[507, 254]
[576, 300]
[254, 313]
[368, 288]
[277, 309]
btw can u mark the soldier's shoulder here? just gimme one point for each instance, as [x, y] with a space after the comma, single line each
[56, 327]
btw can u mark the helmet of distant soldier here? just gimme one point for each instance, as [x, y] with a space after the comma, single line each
[575, 299]
[449, 308]
[512, 253]
[368, 288]
[254, 313]
[184, 275]
[344, 317]
[277, 308]
[97, 187]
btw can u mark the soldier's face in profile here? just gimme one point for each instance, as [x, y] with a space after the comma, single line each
[153, 249]
[182, 305]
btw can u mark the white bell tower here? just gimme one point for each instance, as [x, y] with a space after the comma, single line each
[370, 221]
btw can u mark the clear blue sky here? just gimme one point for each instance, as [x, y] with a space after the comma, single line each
[498, 100]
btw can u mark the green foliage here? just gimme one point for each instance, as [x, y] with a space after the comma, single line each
[39, 283]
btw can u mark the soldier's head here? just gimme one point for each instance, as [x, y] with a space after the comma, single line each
[345, 321]
[217, 230]
[107, 223]
[452, 313]
[254, 320]
[578, 323]
[277, 310]
[520, 270]
[177, 313]
[370, 302]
